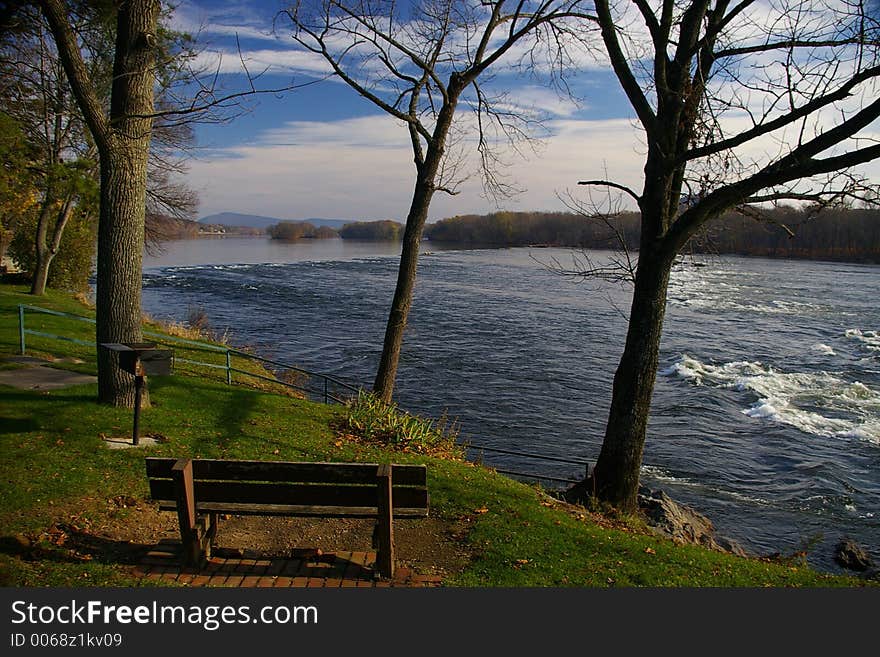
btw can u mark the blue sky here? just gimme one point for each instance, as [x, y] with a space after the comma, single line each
[322, 151]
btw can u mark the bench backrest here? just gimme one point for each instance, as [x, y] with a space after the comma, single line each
[292, 484]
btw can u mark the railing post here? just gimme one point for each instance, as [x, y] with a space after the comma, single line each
[21, 328]
[228, 368]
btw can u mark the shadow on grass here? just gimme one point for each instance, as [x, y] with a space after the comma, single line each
[13, 395]
[236, 406]
[10, 425]
[77, 546]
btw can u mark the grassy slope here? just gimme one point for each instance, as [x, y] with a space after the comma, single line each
[52, 458]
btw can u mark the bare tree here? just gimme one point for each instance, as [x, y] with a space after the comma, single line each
[418, 62]
[740, 103]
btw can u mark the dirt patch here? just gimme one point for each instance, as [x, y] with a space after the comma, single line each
[123, 529]
[427, 545]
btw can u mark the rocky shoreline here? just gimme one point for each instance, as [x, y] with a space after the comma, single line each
[682, 524]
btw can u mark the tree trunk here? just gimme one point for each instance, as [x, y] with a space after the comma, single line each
[120, 249]
[41, 263]
[426, 185]
[41, 274]
[46, 252]
[615, 478]
[123, 144]
[123, 196]
[386, 375]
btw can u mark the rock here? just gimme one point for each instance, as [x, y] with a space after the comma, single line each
[682, 523]
[852, 556]
[729, 545]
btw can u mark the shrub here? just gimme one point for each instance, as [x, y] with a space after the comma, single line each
[372, 420]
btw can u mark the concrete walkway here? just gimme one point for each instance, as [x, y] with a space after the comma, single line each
[35, 374]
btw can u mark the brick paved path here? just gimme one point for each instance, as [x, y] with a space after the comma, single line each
[305, 568]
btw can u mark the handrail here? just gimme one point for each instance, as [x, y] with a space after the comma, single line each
[229, 352]
[324, 392]
[558, 459]
[269, 361]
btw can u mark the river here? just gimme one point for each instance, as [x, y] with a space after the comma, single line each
[766, 413]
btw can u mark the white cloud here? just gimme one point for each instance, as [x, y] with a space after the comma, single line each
[222, 20]
[362, 169]
[259, 61]
[532, 100]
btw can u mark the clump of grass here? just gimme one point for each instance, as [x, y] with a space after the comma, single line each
[87, 299]
[371, 420]
[196, 327]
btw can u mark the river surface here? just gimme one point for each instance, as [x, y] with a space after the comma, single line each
[766, 413]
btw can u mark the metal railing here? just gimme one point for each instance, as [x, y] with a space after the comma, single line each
[316, 386]
[329, 388]
[540, 457]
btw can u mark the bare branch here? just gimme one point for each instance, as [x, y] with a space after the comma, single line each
[622, 69]
[75, 67]
[614, 185]
[789, 44]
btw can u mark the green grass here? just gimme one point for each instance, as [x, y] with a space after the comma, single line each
[54, 466]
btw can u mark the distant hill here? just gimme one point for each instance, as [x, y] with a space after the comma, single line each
[258, 221]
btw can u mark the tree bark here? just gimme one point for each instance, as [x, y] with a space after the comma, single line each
[118, 294]
[615, 479]
[386, 375]
[41, 263]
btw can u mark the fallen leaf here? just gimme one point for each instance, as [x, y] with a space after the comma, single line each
[649, 551]
[482, 509]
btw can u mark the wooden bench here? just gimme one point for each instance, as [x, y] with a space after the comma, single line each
[202, 489]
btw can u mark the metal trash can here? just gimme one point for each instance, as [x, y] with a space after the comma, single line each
[140, 359]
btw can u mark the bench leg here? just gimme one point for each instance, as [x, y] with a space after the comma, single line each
[385, 550]
[186, 511]
[211, 528]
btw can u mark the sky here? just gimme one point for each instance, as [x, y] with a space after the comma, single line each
[321, 150]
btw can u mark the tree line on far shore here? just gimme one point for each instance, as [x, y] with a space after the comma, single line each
[783, 232]
[384, 230]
